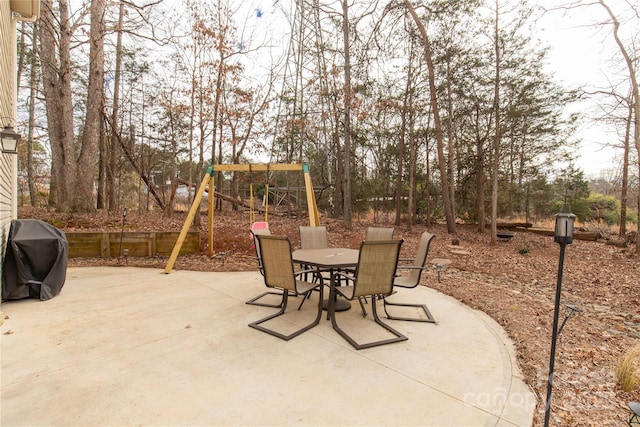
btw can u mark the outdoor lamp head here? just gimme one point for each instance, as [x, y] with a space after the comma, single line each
[9, 139]
[571, 310]
[564, 225]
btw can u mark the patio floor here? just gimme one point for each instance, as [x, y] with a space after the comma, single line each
[124, 346]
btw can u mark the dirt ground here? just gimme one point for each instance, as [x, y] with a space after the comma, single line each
[514, 282]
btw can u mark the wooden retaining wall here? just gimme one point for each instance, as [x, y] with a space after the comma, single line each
[139, 244]
[577, 235]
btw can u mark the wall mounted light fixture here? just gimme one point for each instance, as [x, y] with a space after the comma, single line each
[9, 139]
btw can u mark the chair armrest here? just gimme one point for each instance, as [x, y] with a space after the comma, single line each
[301, 272]
[343, 275]
[405, 261]
[406, 268]
[410, 267]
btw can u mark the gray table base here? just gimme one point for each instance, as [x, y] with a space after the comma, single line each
[341, 305]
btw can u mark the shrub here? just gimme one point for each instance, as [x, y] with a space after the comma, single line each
[628, 370]
[603, 207]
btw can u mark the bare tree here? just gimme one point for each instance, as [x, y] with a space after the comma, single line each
[435, 109]
[111, 164]
[631, 64]
[71, 186]
[625, 174]
[348, 95]
[55, 57]
[84, 199]
[406, 105]
[33, 84]
[496, 135]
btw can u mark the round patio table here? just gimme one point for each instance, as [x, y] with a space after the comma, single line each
[330, 260]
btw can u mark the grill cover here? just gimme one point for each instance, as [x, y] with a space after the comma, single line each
[35, 262]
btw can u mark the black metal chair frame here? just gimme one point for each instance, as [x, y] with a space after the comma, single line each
[352, 292]
[275, 277]
[634, 407]
[419, 264]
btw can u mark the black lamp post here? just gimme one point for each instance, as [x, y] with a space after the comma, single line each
[124, 217]
[563, 236]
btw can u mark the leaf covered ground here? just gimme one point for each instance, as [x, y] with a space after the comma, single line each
[514, 282]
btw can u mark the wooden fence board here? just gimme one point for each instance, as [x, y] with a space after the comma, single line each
[165, 242]
[138, 244]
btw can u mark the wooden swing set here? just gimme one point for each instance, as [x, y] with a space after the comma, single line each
[208, 181]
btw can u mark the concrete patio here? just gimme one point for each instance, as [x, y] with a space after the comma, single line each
[123, 346]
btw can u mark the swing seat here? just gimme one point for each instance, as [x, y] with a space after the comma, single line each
[259, 227]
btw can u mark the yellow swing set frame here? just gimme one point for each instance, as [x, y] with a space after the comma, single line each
[208, 181]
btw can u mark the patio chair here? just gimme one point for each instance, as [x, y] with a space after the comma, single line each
[254, 233]
[412, 280]
[258, 228]
[375, 233]
[277, 266]
[312, 238]
[256, 300]
[373, 277]
[379, 233]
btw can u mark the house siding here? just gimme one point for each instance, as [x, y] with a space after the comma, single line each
[8, 162]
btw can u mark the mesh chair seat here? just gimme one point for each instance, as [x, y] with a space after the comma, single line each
[412, 280]
[277, 265]
[404, 281]
[377, 262]
[303, 287]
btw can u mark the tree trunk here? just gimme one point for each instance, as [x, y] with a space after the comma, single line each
[114, 151]
[348, 93]
[496, 136]
[84, 200]
[625, 176]
[450, 141]
[446, 200]
[411, 202]
[638, 210]
[192, 112]
[217, 125]
[635, 92]
[480, 181]
[56, 76]
[21, 53]
[33, 83]
[427, 182]
[102, 160]
[338, 199]
[401, 146]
